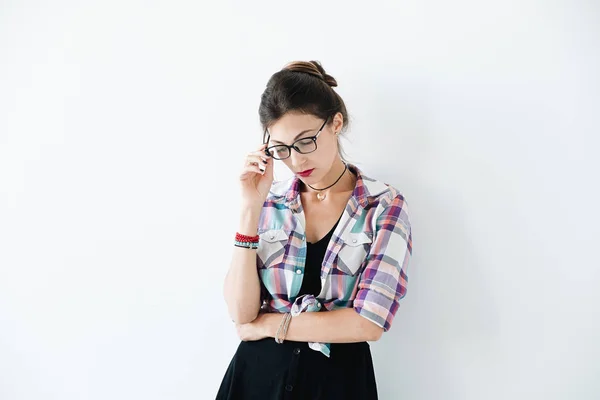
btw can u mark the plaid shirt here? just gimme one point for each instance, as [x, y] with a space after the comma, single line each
[366, 261]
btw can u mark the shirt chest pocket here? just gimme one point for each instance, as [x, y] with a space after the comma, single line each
[353, 252]
[271, 247]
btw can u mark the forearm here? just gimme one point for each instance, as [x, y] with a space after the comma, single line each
[242, 285]
[337, 326]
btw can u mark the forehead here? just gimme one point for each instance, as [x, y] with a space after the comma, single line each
[286, 128]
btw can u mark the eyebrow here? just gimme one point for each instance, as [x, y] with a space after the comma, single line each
[297, 136]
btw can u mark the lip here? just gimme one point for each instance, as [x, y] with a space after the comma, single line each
[306, 173]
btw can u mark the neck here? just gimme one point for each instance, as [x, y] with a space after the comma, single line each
[346, 182]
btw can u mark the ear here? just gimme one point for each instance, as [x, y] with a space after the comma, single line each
[338, 122]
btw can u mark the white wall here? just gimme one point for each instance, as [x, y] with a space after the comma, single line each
[485, 115]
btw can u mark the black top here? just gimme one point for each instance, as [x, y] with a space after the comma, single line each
[315, 253]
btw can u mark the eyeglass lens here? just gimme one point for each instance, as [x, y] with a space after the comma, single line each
[303, 145]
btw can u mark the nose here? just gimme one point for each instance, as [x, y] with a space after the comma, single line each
[298, 161]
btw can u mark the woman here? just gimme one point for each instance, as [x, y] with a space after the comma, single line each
[331, 247]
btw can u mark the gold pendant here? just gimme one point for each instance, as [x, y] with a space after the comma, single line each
[321, 196]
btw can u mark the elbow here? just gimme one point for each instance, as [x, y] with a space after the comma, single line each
[239, 312]
[370, 330]
[243, 316]
[375, 334]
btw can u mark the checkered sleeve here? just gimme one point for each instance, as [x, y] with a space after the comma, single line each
[383, 280]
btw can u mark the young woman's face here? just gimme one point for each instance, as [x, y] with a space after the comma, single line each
[294, 126]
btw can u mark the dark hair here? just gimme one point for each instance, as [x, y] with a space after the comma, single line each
[304, 87]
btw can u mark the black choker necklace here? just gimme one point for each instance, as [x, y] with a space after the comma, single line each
[322, 196]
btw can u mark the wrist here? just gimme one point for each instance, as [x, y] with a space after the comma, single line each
[252, 209]
[248, 223]
[272, 324]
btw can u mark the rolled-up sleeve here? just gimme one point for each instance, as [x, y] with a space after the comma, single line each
[383, 280]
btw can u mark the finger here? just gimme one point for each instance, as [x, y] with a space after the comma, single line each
[260, 154]
[250, 169]
[261, 150]
[259, 162]
[257, 158]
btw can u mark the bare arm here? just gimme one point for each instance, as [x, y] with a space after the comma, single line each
[242, 286]
[337, 326]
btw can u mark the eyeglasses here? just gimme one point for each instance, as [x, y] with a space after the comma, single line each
[303, 146]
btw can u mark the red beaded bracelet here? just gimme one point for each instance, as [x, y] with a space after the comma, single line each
[245, 238]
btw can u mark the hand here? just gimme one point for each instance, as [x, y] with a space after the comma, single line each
[255, 183]
[257, 329]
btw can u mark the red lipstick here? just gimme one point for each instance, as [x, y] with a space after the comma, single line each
[306, 173]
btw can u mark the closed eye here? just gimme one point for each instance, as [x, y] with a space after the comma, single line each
[304, 141]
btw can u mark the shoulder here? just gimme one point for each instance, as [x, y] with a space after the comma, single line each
[378, 192]
[387, 204]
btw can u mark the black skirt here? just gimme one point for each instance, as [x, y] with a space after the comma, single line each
[266, 370]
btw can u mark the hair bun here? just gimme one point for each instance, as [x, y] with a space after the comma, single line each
[313, 68]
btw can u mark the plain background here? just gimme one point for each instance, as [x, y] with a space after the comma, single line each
[123, 129]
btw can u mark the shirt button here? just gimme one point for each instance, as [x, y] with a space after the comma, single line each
[289, 388]
[318, 305]
[296, 351]
[353, 240]
[273, 237]
[298, 271]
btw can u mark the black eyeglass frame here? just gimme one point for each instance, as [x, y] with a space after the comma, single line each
[267, 136]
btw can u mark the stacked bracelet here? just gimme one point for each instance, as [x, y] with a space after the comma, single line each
[249, 242]
[283, 327]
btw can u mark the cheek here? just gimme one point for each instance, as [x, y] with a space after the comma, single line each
[328, 150]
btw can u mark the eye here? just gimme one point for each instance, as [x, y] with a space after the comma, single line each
[279, 150]
[304, 142]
